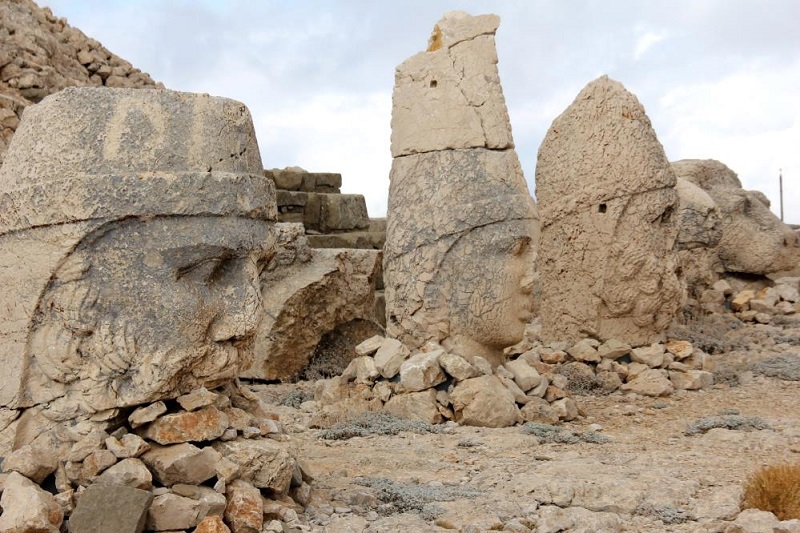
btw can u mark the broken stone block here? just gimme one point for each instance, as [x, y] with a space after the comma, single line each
[143, 415]
[245, 509]
[212, 500]
[27, 508]
[565, 409]
[415, 406]
[204, 424]
[370, 346]
[262, 462]
[198, 398]
[129, 472]
[691, 379]
[484, 401]
[741, 302]
[585, 350]
[652, 356]
[112, 508]
[181, 463]
[129, 445]
[32, 462]
[390, 356]
[95, 463]
[362, 370]
[613, 349]
[457, 367]
[680, 349]
[422, 371]
[525, 376]
[304, 299]
[212, 524]
[607, 198]
[650, 382]
[539, 411]
[172, 512]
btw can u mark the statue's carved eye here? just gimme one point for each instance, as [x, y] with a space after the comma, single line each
[519, 245]
[204, 271]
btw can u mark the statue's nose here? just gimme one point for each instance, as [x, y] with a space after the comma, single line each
[241, 307]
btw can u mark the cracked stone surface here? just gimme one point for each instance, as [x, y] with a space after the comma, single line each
[607, 198]
[462, 229]
[133, 228]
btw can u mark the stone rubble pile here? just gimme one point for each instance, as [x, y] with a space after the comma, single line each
[210, 460]
[750, 305]
[40, 54]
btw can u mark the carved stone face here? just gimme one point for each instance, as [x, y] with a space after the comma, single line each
[491, 272]
[148, 307]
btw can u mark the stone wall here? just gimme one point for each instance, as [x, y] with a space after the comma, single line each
[40, 54]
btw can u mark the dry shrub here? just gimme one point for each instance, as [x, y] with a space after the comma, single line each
[775, 489]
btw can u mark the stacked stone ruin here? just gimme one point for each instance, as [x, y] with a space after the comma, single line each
[40, 54]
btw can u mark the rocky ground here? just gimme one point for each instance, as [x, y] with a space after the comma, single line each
[674, 463]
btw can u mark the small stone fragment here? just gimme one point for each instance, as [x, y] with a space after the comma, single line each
[390, 356]
[566, 409]
[422, 371]
[652, 356]
[129, 472]
[613, 349]
[173, 512]
[370, 346]
[585, 350]
[525, 376]
[198, 398]
[27, 508]
[143, 415]
[245, 509]
[181, 463]
[457, 367]
[206, 424]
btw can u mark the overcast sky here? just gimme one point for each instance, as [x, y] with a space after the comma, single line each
[719, 79]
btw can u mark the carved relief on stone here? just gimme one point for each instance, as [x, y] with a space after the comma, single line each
[606, 199]
[134, 225]
[462, 227]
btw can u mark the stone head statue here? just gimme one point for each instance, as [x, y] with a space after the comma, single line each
[462, 226]
[133, 227]
[754, 240]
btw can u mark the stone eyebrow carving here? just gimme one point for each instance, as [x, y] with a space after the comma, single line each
[200, 259]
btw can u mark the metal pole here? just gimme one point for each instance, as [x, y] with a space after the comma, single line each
[780, 182]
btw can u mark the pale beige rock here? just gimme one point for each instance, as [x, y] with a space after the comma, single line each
[484, 401]
[173, 512]
[538, 410]
[753, 239]
[212, 500]
[112, 508]
[422, 371]
[457, 367]
[148, 413]
[181, 463]
[680, 349]
[606, 200]
[449, 96]
[415, 406]
[95, 463]
[390, 356]
[691, 379]
[129, 472]
[652, 356]
[262, 462]
[362, 370]
[306, 296]
[525, 376]
[212, 524]
[27, 508]
[461, 225]
[650, 382]
[197, 399]
[103, 189]
[245, 509]
[755, 521]
[699, 232]
[613, 349]
[585, 350]
[129, 445]
[204, 424]
[31, 461]
[788, 293]
[566, 409]
[370, 346]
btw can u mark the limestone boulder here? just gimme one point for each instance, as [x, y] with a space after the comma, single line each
[245, 508]
[415, 406]
[390, 356]
[422, 371]
[262, 462]
[128, 472]
[649, 382]
[28, 508]
[484, 401]
[170, 512]
[205, 424]
[110, 508]
[607, 203]
[304, 299]
[182, 463]
[753, 240]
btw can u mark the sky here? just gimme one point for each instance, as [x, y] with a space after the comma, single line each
[719, 79]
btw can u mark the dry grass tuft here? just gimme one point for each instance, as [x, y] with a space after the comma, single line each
[775, 489]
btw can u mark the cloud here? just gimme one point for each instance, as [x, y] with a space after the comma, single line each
[646, 41]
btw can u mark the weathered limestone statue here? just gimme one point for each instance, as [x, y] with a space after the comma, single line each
[699, 232]
[462, 226]
[606, 197]
[754, 240]
[134, 225]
